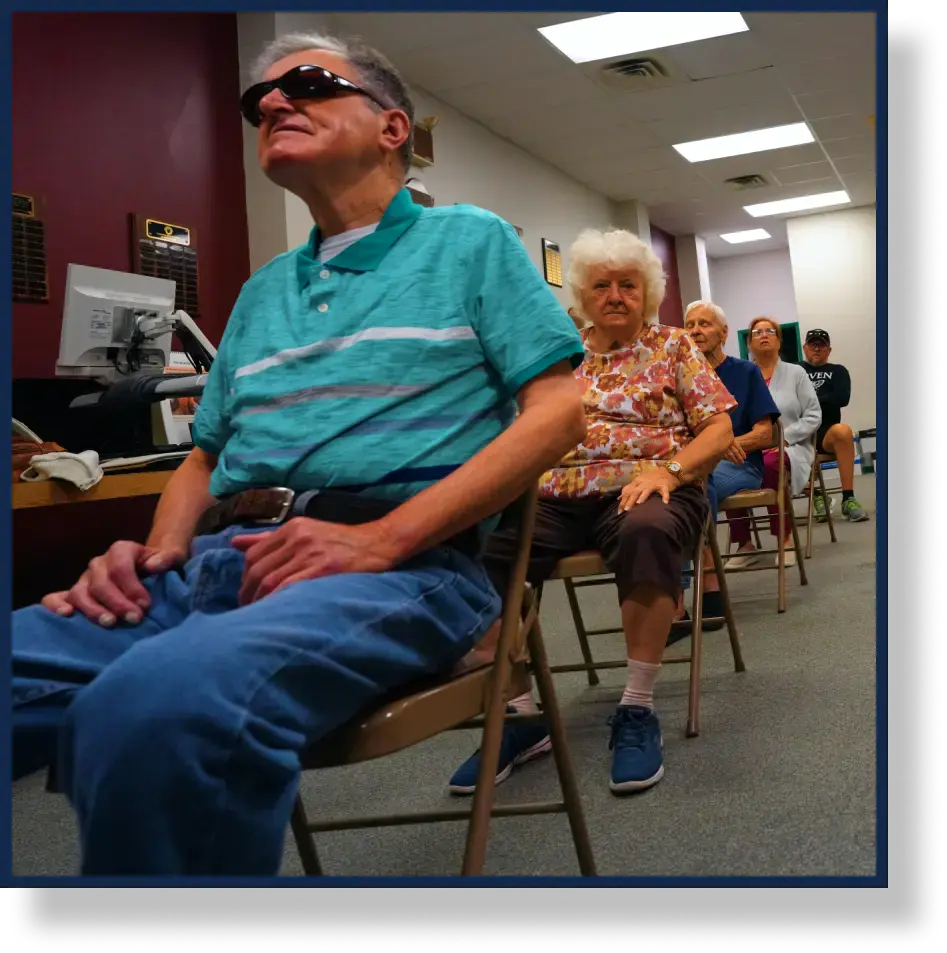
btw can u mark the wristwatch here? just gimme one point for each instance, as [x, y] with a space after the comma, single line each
[674, 468]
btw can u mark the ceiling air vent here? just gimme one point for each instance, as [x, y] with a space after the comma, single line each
[634, 73]
[740, 183]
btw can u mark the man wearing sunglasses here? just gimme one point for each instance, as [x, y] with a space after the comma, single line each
[320, 547]
[833, 387]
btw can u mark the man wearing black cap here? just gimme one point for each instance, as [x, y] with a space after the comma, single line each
[833, 386]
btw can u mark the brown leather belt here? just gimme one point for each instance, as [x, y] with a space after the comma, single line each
[272, 506]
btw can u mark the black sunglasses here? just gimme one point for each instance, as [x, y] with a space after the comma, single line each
[302, 82]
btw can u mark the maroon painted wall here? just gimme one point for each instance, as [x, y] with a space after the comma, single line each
[116, 113]
[665, 247]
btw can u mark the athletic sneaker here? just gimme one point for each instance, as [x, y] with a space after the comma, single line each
[637, 749]
[522, 741]
[819, 506]
[852, 510]
[741, 561]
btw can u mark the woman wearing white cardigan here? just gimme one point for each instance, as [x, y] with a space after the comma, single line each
[800, 416]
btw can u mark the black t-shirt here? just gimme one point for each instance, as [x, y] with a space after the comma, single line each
[833, 387]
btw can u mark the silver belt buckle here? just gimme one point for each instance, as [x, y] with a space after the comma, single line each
[288, 497]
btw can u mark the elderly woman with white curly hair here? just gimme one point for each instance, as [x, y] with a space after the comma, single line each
[657, 423]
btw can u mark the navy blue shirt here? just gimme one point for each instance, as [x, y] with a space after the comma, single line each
[745, 382]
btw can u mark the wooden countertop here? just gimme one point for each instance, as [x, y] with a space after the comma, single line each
[110, 487]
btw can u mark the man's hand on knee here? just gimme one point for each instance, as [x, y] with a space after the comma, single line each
[111, 589]
[304, 549]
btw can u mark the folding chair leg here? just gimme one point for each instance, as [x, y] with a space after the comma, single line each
[725, 594]
[828, 510]
[479, 827]
[697, 616]
[797, 546]
[580, 631]
[305, 843]
[560, 751]
[810, 513]
[781, 557]
[756, 531]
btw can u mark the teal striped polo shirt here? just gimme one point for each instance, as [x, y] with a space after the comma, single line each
[387, 367]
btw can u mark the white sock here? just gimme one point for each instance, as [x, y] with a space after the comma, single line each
[639, 690]
[525, 704]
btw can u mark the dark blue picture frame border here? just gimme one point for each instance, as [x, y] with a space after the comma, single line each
[899, 907]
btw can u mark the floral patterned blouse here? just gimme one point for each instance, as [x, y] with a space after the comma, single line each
[642, 403]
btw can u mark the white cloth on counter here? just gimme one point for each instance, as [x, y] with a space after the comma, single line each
[79, 469]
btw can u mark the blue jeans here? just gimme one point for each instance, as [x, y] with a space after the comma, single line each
[178, 739]
[726, 479]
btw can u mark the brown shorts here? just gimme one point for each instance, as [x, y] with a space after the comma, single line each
[647, 545]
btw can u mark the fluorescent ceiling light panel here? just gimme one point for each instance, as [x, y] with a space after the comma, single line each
[751, 235]
[743, 143]
[798, 205]
[622, 34]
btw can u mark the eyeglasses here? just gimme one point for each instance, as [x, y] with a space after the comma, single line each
[301, 82]
[763, 332]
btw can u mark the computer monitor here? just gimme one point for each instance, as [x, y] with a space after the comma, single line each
[100, 314]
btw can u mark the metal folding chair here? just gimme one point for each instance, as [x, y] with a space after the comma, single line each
[750, 500]
[581, 566]
[816, 475]
[475, 698]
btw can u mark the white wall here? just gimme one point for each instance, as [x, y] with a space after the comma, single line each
[746, 286]
[833, 266]
[473, 165]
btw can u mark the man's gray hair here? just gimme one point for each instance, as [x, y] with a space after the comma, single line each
[714, 309]
[376, 74]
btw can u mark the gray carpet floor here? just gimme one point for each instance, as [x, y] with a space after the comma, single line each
[781, 780]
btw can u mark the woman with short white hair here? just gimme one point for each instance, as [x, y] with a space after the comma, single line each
[657, 423]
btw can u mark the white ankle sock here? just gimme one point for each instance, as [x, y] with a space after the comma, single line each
[639, 689]
[525, 704]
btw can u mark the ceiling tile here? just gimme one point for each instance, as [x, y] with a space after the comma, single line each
[444, 67]
[829, 72]
[723, 122]
[524, 93]
[860, 187]
[630, 142]
[841, 127]
[808, 36]
[394, 33]
[687, 98]
[837, 102]
[807, 172]
[720, 55]
[622, 163]
[850, 164]
[852, 146]
[758, 163]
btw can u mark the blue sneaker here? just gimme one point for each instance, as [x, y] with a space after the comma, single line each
[522, 741]
[638, 758]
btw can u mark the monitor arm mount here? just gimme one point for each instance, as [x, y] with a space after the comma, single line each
[139, 386]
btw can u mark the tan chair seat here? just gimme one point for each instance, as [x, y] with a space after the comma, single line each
[589, 563]
[747, 499]
[409, 720]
